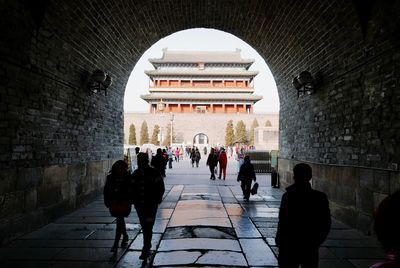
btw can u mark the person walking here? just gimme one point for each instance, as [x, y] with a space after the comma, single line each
[192, 156]
[212, 161]
[246, 176]
[170, 158]
[149, 189]
[304, 222]
[223, 161]
[177, 154]
[118, 198]
[158, 162]
[197, 156]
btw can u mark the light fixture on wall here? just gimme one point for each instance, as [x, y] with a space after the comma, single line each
[305, 83]
[99, 81]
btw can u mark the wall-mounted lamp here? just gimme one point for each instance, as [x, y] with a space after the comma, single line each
[99, 81]
[305, 83]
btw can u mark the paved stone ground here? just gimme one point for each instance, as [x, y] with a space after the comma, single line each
[200, 223]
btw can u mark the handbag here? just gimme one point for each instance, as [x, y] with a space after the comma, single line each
[254, 189]
[120, 208]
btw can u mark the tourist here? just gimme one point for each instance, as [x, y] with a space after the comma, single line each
[117, 197]
[223, 161]
[197, 156]
[192, 156]
[158, 162]
[205, 150]
[386, 226]
[148, 192]
[274, 178]
[304, 221]
[212, 161]
[177, 154]
[170, 157]
[246, 176]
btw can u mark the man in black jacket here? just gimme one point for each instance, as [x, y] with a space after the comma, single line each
[246, 176]
[304, 222]
[148, 187]
[158, 162]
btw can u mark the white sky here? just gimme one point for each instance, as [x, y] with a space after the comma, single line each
[204, 40]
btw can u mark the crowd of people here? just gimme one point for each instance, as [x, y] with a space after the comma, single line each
[304, 214]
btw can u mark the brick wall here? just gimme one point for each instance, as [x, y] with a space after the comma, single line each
[48, 119]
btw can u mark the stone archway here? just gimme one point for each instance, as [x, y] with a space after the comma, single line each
[58, 139]
[201, 140]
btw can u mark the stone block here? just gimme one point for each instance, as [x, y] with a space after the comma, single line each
[8, 178]
[365, 200]
[382, 181]
[30, 199]
[54, 175]
[344, 214]
[76, 171]
[48, 195]
[349, 176]
[29, 177]
[345, 195]
[367, 179]
[394, 181]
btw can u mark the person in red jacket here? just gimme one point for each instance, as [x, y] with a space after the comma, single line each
[223, 161]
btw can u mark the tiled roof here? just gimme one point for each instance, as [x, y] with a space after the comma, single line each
[201, 56]
[197, 72]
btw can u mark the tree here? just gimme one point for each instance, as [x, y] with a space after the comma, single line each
[251, 133]
[268, 123]
[144, 133]
[132, 135]
[229, 134]
[240, 135]
[154, 136]
[167, 141]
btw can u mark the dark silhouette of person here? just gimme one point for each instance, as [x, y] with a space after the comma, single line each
[148, 188]
[387, 229]
[223, 161]
[304, 222]
[197, 156]
[246, 176]
[117, 197]
[274, 178]
[158, 162]
[212, 161]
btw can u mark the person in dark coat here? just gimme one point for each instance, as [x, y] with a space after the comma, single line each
[148, 192]
[223, 161]
[386, 227]
[192, 156]
[117, 197]
[304, 222]
[246, 176]
[197, 156]
[158, 162]
[212, 162]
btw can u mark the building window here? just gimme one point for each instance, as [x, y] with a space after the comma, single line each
[201, 109]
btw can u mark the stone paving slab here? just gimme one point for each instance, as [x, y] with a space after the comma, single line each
[225, 258]
[244, 227]
[138, 242]
[176, 258]
[130, 260]
[258, 253]
[199, 243]
[34, 254]
[88, 254]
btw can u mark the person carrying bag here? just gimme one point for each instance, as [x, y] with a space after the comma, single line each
[118, 198]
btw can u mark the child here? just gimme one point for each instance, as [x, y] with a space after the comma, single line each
[117, 197]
